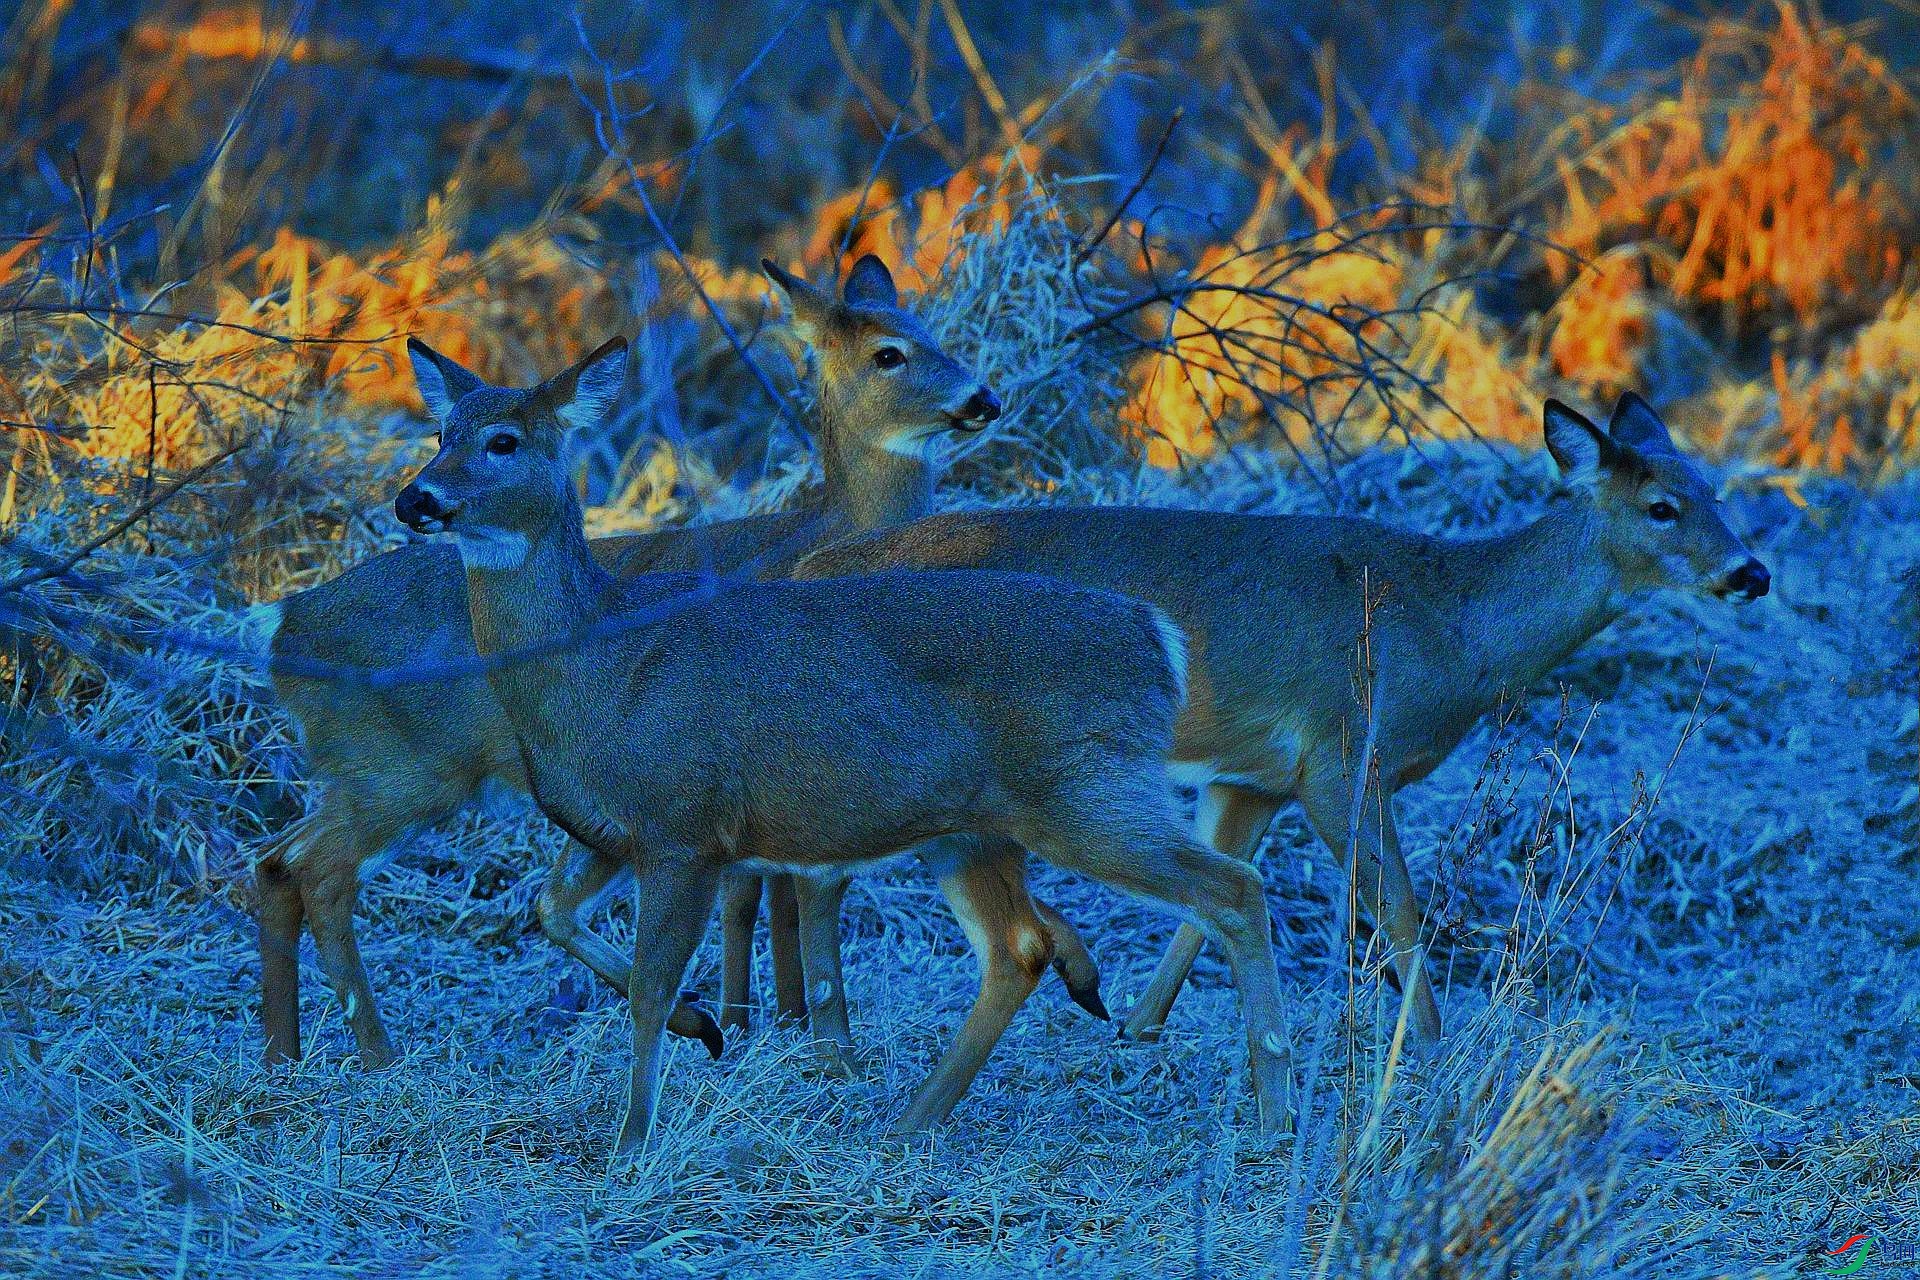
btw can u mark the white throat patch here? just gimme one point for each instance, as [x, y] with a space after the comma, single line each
[917, 445]
[490, 548]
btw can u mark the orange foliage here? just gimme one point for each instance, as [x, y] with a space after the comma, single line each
[1484, 389]
[1602, 322]
[734, 286]
[1757, 186]
[1866, 396]
[923, 237]
[20, 252]
[1766, 191]
[238, 31]
[1232, 352]
[170, 404]
[519, 306]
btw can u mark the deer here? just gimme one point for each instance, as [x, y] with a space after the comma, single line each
[685, 725]
[1274, 609]
[391, 760]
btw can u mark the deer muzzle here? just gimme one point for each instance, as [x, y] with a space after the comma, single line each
[981, 408]
[421, 509]
[1747, 581]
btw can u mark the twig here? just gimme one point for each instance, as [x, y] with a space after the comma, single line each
[1176, 291]
[977, 67]
[58, 433]
[707, 138]
[210, 177]
[878, 101]
[153, 441]
[866, 190]
[1082, 252]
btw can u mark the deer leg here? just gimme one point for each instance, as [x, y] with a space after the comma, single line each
[817, 905]
[1140, 846]
[578, 880]
[783, 941]
[1381, 883]
[1072, 961]
[329, 886]
[1071, 958]
[1401, 915]
[988, 893]
[676, 897]
[280, 914]
[1233, 820]
[739, 911]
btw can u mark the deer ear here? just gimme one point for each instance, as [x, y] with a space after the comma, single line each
[870, 284]
[1577, 446]
[1637, 426]
[808, 309]
[442, 380]
[583, 394]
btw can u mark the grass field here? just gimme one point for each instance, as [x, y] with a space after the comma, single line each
[1674, 897]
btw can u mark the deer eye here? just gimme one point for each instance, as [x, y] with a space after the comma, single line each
[889, 357]
[502, 443]
[1660, 511]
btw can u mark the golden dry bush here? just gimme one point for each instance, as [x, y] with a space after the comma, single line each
[1601, 323]
[739, 287]
[176, 395]
[520, 305]
[1256, 325]
[921, 236]
[224, 31]
[1328, 333]
[147, 385]
[1481, 389]
[1554, 1128]
[1770, 191]
[1861, 402]
[294, 317]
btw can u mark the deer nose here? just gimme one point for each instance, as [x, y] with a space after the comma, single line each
[1750, 581]
[981, 406]
[417, 506]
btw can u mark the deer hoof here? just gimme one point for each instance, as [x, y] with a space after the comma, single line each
[835, 1060]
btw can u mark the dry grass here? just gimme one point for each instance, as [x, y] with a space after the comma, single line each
[1614, 1094]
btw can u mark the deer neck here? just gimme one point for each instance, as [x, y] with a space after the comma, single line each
[1537, 594]
[872, 485]
[552, 588]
